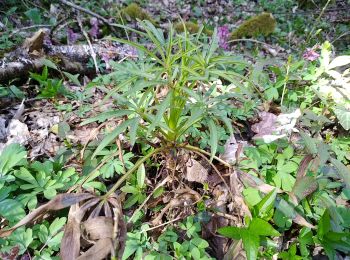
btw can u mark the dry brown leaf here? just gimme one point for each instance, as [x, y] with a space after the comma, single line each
[236, 251]
[99, 251]
[302, 221]
[98, 228]
[34, 43]
[272, 127]
[266, 125]
[256, 183]
[233, 150]
[304, 165]
[59, 202]
[236, 187]
[70, 244]
[195, 171]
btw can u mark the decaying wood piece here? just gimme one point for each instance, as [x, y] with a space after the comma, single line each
[71, 58]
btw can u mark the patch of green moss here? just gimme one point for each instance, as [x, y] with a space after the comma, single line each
[133, 12]
[191, 27]
[262, 24]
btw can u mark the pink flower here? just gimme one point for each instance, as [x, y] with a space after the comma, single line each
[224, 35]
[72, 36]
[310, 54]
[94, 27]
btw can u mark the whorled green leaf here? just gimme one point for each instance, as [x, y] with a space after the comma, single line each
[310, 143]
[261, 227]
[343, 116]
[111, 136]
[163, 106]
[266, 204]
[344, 172]
[13, 155]
[213, 132]
[141, 175]
[107, 115]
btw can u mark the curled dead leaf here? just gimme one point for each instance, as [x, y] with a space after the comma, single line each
[70, 244]
[195, 171]
[101, 249]
[256, 183]
[98, 228]
[99, 236]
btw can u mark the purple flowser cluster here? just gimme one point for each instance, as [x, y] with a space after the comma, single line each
[72, 36]
[224, 36]
[310, 54]
[94, 27]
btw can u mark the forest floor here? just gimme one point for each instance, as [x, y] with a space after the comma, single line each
[214, 129]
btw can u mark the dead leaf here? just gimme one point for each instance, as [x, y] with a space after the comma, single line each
[100, 250]
[302, 221]
[304, 165]
[195, 171]
[70, 244]
[17, 132]
[233, 150]
[34, 43]
[59, 202]
[272, 127]
[266, 124]
[237, 188]
[98, 228]
[256, 183]
[236, 251]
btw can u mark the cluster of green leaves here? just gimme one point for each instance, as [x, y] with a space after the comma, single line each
[22, 186]
[49, 87]
[314, 87]
[11, 91]
[171, 87]
[181, 243]
[306, 198]
[330, 82]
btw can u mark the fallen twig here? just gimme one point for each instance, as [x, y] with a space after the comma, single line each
[93, 53]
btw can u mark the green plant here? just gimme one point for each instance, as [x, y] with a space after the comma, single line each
[49, 88]
[312, 189]
[136, 188]
[330, 81]
[168, 90]
[23, 184]
[169, 244]
[250, 235]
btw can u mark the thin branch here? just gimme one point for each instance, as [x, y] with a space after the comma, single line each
[149, 196]
[217, 172]
[163, 224]
[87, 11]
[316, 23]
[93, 53]
[84, 10]
[28, 28]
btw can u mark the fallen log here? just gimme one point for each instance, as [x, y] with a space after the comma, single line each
[31, 56]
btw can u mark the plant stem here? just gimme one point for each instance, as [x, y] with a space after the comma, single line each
[286, 79]
[199, 150]
[134, 168]
[316, 23]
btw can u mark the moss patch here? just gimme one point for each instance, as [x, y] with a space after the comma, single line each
[263, 24]
[133, 12]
